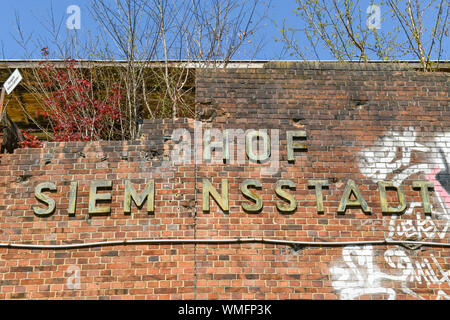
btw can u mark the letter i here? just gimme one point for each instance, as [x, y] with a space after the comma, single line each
[72, 198]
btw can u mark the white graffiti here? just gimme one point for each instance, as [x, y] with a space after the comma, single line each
[423, 227]
[360, 276]
[396, 157]
[420, 271]
[390, 159]
[442, 295]
[391, 154]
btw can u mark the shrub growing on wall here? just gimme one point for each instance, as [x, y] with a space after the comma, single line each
[75, 109]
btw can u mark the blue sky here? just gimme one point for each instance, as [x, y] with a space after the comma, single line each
[33, 15]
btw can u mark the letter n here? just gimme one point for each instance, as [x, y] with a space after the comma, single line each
[208, 190]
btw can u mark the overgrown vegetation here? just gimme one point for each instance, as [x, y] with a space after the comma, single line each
[151, 47]
[409, 29]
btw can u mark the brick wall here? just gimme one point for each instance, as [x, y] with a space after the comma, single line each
[363, 123]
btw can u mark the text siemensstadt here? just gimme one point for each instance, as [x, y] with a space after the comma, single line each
[351, 197]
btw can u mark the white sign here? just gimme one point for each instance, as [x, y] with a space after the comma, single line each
[12, 81]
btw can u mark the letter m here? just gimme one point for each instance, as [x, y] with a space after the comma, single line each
[139, 199]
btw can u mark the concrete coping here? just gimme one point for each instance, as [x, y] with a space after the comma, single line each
[443, 66]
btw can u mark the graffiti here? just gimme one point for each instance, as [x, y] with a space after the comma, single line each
[424, 271]
[442, 295]
[360, 275]
[396, 157]
[423, 227]
[443, 177]
[370, 223]
[391, 158]
[378, 162]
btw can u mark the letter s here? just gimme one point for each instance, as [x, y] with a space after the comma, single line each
[44, 198]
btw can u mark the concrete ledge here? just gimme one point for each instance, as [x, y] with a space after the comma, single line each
[353, 65]
[443, 66]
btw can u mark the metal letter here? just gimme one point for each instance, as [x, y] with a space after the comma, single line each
[249, 145]
[285, 195]
[346, 202]
[293, 144]
[251, 208]
[50, 202]
[424, 186]
[72, 197]
[208, 190]
[318, 185]
[130, 193]
[385, 208]
[94, 197]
